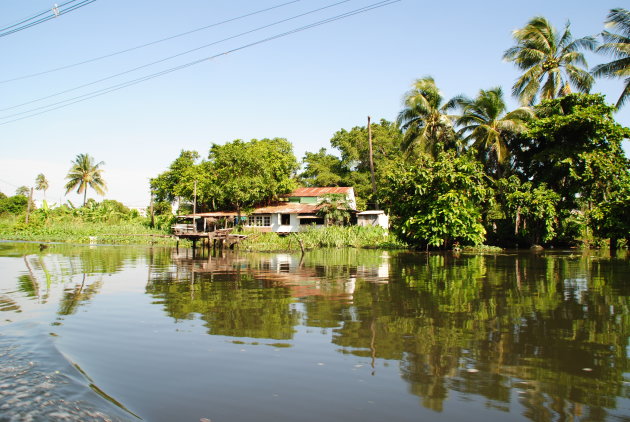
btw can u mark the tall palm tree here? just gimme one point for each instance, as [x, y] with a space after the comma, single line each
[83, 174]
[486, 122]
[618, 46]
[41, 183]
[551, 61]
[424, 120]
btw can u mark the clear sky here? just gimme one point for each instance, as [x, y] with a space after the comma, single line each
[303, 87]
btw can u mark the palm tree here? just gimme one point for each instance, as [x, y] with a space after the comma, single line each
[424, 120]
[551, 61]
[41, 183]
[484, 120]
[83, 174]
[334, 208]
[618, 46]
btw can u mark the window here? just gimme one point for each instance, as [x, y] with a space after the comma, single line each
[259, 221]
[285, 219]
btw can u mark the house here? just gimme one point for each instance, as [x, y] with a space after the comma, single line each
[292, 213]
[373, 218]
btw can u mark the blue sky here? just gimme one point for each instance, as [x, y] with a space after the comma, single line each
[303, 87]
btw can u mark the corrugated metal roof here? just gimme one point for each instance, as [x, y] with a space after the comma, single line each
[287, 208]
[320, 191]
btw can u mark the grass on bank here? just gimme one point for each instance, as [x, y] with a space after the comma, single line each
[77, 230]
[327, 237]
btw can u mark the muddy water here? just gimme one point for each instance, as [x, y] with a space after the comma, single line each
[119, 333]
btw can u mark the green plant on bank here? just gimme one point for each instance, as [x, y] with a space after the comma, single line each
[327, 237]
[334, 208]
[106, 222]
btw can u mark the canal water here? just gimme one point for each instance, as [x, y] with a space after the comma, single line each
[126, 333]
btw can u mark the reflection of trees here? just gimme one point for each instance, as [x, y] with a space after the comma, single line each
[231, 304]
[542, 319]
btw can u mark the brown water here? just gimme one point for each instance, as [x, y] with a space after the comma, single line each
[120, 333]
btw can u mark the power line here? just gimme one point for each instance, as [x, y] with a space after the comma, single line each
[51, 14]
[166, 59]
[24, 20]
[85, 97]
[147, 44]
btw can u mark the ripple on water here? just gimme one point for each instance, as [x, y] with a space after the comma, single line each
[38, 384]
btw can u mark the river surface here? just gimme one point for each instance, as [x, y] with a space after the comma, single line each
[110, 333]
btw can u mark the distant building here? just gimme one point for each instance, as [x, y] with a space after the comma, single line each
[291, 213]
[373, 218]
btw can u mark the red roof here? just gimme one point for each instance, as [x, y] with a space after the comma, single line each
[320, 191]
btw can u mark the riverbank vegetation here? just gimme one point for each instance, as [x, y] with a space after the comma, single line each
[328, 237]
[105, 222]
[450, 172]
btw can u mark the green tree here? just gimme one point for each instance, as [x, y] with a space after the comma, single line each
[530, 210]
[323, 169]
[437, 202]
[244, 174]
[551, 61]
[334, 208]
[486, 123]
[13, 204]
[23, 191]
[178, 180]
[618, 46]
[85, 174]
[424, 120]
[575, 148]
[353, 168]
[41, 183]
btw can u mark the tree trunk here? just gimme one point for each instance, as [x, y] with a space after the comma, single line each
[613, 243]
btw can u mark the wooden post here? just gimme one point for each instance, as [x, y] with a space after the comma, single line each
[152, 213]
[372, 161]
[28, 206]
[195, 203]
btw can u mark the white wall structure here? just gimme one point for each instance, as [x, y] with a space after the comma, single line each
[373, 218]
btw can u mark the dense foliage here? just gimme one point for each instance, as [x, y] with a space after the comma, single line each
[460, 171]
[236, 176]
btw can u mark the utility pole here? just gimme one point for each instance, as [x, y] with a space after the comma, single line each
[195, 206]
[372, 162]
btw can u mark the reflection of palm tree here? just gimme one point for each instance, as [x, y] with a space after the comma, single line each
[485, 121]
[618, 46]
[548, 58]
[72, 299]
[83, 174]
[424, 120]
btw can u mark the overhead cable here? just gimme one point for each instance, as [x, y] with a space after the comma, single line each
[84, 97]
[146, 44]
[172, 57]
[48, 15]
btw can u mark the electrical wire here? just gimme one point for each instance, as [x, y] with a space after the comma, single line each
[52, 15]
[172, 57]
[24, 20]
[147, 44]
[84, 97]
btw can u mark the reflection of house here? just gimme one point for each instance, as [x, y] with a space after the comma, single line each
[292, 213]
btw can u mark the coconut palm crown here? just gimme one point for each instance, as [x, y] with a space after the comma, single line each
[41, 183]
[551, 61]
[424, 121]
[618, 46]
[486, 122]
[83, 174]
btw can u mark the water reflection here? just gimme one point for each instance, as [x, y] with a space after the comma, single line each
[542, 334]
